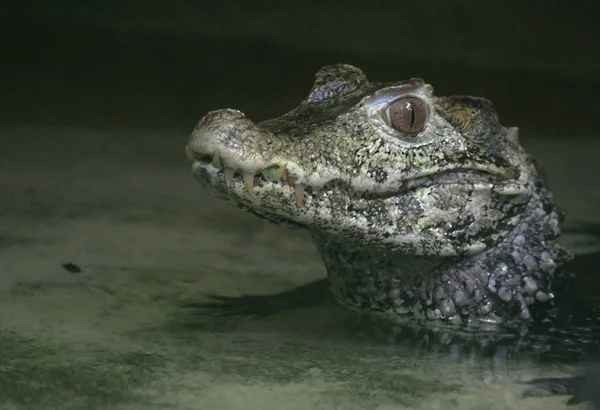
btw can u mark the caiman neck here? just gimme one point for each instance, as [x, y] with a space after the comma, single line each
[495, 286]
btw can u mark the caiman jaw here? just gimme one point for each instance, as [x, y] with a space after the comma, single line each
[273, 174]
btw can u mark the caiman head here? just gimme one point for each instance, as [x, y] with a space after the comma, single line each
[415, 201]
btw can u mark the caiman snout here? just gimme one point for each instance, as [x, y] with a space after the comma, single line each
[220, 131]
[234, 146]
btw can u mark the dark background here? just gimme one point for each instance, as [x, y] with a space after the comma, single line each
[163, 64]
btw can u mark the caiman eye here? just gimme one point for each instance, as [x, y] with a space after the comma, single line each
[408, 115]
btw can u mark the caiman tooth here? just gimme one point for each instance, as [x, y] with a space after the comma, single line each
[189, 154]
[228, 175]
[216, 162]
[279, 173]
[249, 181]
[299, 193]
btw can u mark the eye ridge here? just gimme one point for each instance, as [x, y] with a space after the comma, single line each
[408, 115]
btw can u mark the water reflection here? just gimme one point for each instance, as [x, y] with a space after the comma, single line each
[571, 338]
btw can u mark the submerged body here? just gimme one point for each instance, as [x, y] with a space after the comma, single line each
[421, 206]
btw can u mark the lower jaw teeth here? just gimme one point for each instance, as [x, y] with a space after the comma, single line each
[299, 194]
[275, 175]
[228, 175]
[249, 181]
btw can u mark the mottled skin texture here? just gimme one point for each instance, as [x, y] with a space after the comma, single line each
[450, 221]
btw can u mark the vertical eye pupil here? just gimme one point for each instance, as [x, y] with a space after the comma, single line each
[408, 115]
[411, 109]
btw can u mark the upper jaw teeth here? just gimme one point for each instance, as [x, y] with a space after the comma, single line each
[274, 173]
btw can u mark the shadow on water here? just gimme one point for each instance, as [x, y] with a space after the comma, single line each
[572, 337]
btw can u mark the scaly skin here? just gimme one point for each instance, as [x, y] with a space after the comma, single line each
[421, 206]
